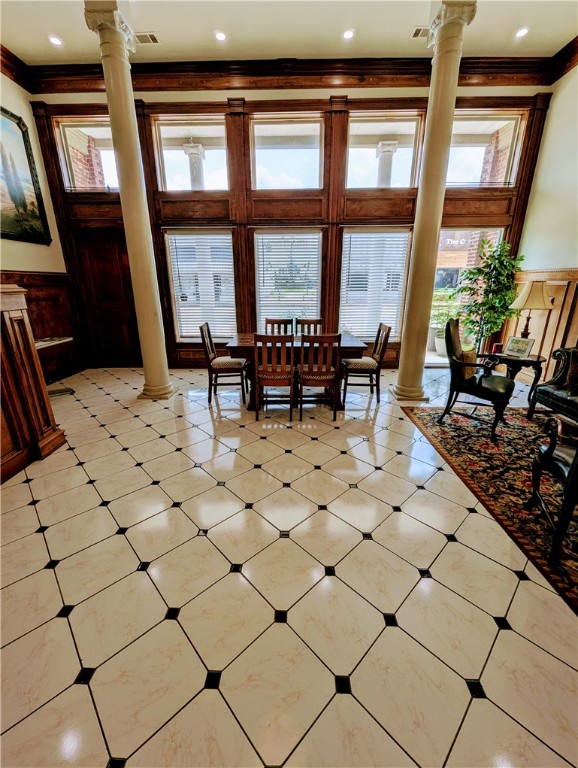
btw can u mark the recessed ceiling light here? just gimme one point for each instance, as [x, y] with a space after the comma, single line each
[522, 32]
[348, 34]
[55, 40]
[221, 36]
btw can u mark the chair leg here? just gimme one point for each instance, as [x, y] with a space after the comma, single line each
[243, 387]
[345, 378]
[300, 400]
[210, 385]
[257, 401]
[564, 518]
[335, 390]
[377, 393]
[499, 409]
[451, 399]
[371, 383]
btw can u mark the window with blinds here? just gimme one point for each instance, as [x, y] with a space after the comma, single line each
[288, 272]
[202, 282]
[372, 281]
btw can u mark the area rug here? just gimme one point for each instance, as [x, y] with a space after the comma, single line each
[500, 476]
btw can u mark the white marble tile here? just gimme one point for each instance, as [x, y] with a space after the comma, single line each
[431, 509]
[53, 463]
[484, 582]
[535, 689]
[336, 623]
[380, 576]
[488, 537]
[65, 505]
[160, 533]
[57, 482]
[253, 485]
[319, 486]
[285, 508]
[489, 737]
[212, 507]
[545, 619]
[79, 532]
[108, 465]
[204, 733]
[122, 483]
[205, 450]
[97, 450]
[325, 536]
[222, 621]
[18, 523]
[187, 570]
[139, 505]
[65, 731]
[413, 541]
[113, 618]
[449, 486]
[141, 687]
[22, 557]
[87, 572]
[35, 668]
[277, 681]
[417, 698]
[187, 484]
[15, 496]
[28, 603]
[360, 510]
[243, 535]
[151, 449]
[283, 573]
[345, 735]
[227, 466]
[385, 486]
[448, 626]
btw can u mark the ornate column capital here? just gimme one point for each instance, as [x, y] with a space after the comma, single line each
[451, 10]
[194, 149]
[386, 146]
[105, 15]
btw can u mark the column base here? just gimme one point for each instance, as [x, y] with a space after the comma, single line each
[158, 393]
[408, 393]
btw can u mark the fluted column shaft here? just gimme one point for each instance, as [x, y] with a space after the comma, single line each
[114, 35]
[447, 32]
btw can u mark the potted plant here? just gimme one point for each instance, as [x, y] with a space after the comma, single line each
[488, 289]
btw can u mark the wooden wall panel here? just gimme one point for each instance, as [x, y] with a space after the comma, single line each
[191, 211]
[379, 206]
[289, 208]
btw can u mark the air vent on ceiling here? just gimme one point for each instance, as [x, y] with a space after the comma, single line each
[146, 38]
[420, 32]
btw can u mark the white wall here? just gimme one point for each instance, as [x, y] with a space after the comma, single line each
[16, 255]
[550, 234]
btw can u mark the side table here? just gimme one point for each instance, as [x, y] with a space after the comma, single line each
[515, 364]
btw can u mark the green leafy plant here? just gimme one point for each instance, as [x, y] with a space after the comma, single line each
[445, 305]
[488, 289]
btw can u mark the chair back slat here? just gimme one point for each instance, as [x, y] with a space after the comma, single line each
[308, 326]
[380, 344]
[208, 345]
[274, 357]
[278, 326]
[319, 355]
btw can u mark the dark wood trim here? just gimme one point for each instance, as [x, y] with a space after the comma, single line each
[292, 73]
[565, 60]
[15, 69]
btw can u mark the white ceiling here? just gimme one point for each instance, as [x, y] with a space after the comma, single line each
[270, 29]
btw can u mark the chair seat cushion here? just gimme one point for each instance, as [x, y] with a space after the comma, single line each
[231, 363]
[499, 386]
[363, 364]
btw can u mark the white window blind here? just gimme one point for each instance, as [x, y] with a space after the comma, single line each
[372, 281]
[288, 269]
[202, 282]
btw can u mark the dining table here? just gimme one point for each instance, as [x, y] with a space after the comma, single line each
[243, 345]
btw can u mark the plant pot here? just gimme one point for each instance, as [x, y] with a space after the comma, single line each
[440, 346]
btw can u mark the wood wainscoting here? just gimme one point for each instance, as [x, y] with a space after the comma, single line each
[51, 315]
[550, 329]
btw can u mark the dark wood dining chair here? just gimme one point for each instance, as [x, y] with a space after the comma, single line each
[319, 359]
[278, 325]
[221, 367]
[273, 368]
[308, 326]
[368, 367]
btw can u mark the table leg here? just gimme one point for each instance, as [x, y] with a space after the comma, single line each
[537, 373]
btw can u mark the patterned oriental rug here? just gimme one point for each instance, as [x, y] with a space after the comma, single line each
[500, 476]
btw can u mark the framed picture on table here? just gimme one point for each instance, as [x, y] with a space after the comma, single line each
[516, 346]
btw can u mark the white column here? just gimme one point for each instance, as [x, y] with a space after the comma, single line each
[115, 38]
[384, 152]
[446, 32]
[196, 155]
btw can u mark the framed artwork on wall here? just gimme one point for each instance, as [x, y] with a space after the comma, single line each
[22, 213]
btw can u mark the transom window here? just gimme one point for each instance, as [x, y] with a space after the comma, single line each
[286, 153]
[193, 154]
[381, 152]
[288, 269]
[202, 282]
[373, 271]
[484, 150]
[87, 154]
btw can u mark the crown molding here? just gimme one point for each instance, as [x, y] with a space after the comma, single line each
[291, 73]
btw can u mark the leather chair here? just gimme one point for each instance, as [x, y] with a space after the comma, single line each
[465, 380]
[276, 325]
[368, 367]
[305, 326]
[560, 458]
[319, 367]
[222, 367]
[274, 368]
[560, 393]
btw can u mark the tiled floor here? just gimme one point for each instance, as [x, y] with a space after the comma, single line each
[184, 586]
